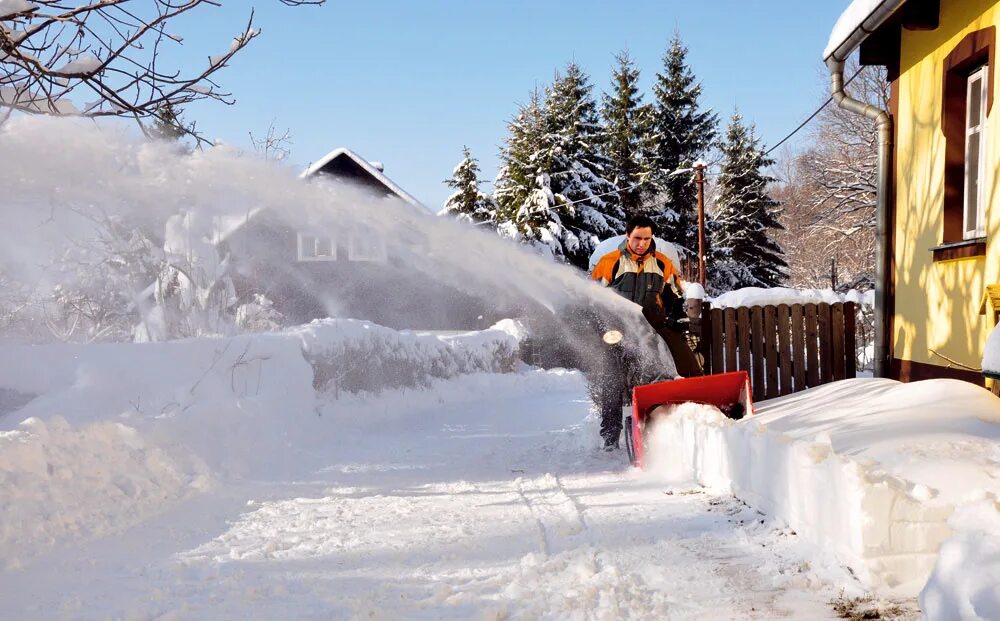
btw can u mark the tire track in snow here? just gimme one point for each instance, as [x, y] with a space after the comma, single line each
[555, 512]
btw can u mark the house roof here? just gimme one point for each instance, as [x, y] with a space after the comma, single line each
[367, 166]
[860, 19]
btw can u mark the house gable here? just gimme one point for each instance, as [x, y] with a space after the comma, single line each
[347, 165]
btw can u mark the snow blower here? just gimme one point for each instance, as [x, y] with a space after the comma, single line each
[730, 392]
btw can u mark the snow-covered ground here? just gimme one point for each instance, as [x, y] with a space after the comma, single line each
[900, 481]
[207, 479]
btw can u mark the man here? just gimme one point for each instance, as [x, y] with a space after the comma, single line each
[636, 271]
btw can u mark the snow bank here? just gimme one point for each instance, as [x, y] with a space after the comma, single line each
[351, 355]
[115, 432]
[58, 480]
[757, 296]
[966, 580]
[991, 355]
[870, 469]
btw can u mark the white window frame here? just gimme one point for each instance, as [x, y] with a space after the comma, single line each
[356, 252]
[304, 241]
[977, 228]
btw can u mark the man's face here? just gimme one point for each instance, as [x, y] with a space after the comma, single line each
[639, 239]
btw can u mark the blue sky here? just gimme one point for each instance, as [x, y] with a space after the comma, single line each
[410, 82]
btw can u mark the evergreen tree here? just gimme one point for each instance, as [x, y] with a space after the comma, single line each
[680, 133]
[526, 208]
[745, 253]
[624, 118]
[468, 203]
[572, 158]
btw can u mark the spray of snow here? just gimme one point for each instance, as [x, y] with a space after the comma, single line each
[62, 175]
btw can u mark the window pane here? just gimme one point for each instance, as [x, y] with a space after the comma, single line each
[324, 247]
[975, 100]
[972, 181]
[308, 246]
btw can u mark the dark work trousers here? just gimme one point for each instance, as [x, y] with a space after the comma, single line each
[684, 359]
[611, 391]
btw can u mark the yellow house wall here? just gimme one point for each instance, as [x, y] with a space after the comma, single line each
[937, 304]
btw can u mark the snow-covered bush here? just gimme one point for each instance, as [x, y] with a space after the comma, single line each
[349, 355]
[258, 315]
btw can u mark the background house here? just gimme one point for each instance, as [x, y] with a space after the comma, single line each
[318, 270]
[943, 218]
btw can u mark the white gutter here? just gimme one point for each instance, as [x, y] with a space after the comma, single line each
[860, 19]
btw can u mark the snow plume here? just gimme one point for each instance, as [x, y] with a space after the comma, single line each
[90, 207]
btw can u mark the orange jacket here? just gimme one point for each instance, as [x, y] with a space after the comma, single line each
[637, 278]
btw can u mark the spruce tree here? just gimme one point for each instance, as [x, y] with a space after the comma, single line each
[526, 208]
[680, 133]
[624, 116]
[468, 203]
[745, 253]
[572, 158]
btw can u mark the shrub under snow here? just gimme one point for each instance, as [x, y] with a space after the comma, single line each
[350, 355]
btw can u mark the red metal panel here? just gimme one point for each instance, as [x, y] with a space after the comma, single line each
[720, 390]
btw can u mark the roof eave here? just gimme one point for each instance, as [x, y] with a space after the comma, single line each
[878, 16]
[402, 194]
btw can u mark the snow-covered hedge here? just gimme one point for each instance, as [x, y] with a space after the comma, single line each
[871, 470]
[350, 355]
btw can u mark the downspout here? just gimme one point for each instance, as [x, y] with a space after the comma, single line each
[884, 122]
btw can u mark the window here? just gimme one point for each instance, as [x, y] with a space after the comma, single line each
[965, 111]
[975, 143]
[314, 248]
[366, 246]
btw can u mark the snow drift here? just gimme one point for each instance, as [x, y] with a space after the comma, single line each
[871, 469]
[113, 433]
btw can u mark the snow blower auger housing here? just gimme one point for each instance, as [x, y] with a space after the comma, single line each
[730, 392]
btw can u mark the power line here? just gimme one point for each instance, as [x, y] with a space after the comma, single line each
[811, 116]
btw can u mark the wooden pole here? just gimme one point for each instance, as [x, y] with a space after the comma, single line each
[700, 170]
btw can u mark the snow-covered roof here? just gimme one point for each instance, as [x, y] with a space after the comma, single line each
[373, 169]
[858, 21]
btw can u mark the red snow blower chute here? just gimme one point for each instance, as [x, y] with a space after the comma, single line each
[730, 392]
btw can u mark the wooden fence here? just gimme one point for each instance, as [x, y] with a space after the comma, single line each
[785, 348]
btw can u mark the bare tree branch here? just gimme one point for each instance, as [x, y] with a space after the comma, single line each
[106, 53]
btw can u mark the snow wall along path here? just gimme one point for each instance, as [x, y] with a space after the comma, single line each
[94, 438]
[870, 469]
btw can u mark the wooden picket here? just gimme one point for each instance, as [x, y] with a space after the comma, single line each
[784, 348]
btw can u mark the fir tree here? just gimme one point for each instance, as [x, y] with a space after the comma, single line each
[526, 208]
[572, 158]
[468, 203]
[680, 133]
[624, 118]
[745, 253]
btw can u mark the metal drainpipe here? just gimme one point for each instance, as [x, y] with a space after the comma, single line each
[884, 121]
